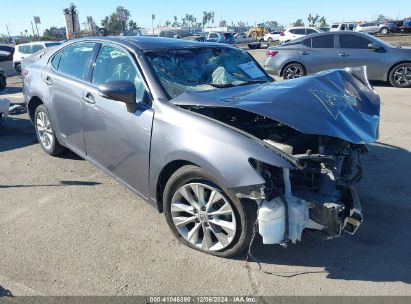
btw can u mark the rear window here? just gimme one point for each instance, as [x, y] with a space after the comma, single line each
[324, 42]
[75, 60]
[25, 49]
[37, 47]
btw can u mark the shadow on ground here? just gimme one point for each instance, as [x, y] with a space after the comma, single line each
[380, 251]
[5, 293]
[11, 90]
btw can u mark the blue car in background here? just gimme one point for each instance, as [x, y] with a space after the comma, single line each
[220, 37]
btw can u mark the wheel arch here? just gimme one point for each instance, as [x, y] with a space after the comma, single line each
[32, 105]
[164, 176]
[393, 66]
[288, 63]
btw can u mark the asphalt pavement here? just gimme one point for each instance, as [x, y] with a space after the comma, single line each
[68, 229]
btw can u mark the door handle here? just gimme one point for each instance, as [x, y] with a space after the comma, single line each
[48, 81]
[89, 98]
[343, 54]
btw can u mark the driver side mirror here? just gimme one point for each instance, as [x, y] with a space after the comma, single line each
[177, 37]
[122, 91]
[374, 47]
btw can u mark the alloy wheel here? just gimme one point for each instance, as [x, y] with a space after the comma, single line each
[293, 71]
[402, 76]
[44, 130]
[203, 216]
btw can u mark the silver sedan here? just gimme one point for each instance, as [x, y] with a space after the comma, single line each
[323, 51]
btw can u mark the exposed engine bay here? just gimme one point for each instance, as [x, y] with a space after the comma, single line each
[317, 196]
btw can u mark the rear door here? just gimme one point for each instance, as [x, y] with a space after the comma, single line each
[320, 53]
[115, 139]
[353, 52]
[66, 77]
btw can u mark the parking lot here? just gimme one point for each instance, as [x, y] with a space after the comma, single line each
[68, 229]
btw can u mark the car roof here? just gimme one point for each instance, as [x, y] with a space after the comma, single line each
[301, 27]
[38, 42]
[148, 43]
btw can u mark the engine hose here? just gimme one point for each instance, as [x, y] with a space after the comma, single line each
[286, 218]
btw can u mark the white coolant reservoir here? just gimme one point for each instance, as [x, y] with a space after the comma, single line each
[271, 221]
[297, 217]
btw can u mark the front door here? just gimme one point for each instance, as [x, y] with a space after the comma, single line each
[354, 52]
[115, 139]
[320, 54]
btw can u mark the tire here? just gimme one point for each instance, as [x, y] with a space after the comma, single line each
[239, 214]
[45, 133]
[18, 69]
[400, 75]
[384, 31]
[293, 70]
[3, 82]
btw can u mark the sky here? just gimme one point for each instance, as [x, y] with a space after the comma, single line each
[18, 14]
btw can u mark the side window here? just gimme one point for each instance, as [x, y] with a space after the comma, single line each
[113, 64]
[342, 27]
[351, 27]
[323, 41]
[292, 31]
[25, 49]
[162, 34]
[213, 35]
[56, 60]
[307, 42]
[299, 31]
[310, 31]
[353, 42]
[75, 60]
[37, 47]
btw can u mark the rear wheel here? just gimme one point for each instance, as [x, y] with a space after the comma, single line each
[204, 216]
[45, 133]
[270, 40]
[18, 69]
[384, 31]
[293, 70]
[400, 75]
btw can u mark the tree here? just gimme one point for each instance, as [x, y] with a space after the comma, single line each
[312, 20]
[175, 23]
[299, 22]
[207, 17]
[323, 22]
[272, 25]
[381, 18]
[167, 23]
[117, 22]
[132, 25]
[222, 23]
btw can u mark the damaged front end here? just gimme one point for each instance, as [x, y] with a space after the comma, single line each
[321, 125]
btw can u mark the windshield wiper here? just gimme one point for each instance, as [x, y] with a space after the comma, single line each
[230, 85]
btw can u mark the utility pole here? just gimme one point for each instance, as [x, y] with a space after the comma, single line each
[152, 21]
[8, 31]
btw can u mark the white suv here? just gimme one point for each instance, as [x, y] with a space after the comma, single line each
[296, 32]
[345, 26]
[26, 49]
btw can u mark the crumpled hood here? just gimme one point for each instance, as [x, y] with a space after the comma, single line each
[337, 103]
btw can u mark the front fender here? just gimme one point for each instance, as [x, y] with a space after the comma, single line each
[181, 135]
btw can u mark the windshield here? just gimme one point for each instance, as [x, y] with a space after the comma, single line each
[202, 69]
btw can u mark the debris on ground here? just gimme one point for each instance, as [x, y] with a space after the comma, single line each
[4, 109]
[17, 109]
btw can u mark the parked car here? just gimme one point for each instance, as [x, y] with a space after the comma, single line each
[332, 50]
[369, 27]
[344, 26]
[406, 26]
[3, 80]
[242, 38]
[181, 34]
[26, 49]
[207, 137]
[6, 58]
[272, 37]
[387, 27]
[296, 32]
[220, 37]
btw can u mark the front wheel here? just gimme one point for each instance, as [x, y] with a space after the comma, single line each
[18, 69]
[3, 82]
[293, 70]
[400, 75]
[45, 133]
[206, 217]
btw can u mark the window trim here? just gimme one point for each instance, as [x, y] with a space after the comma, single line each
[339, 41]
[328, 34]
